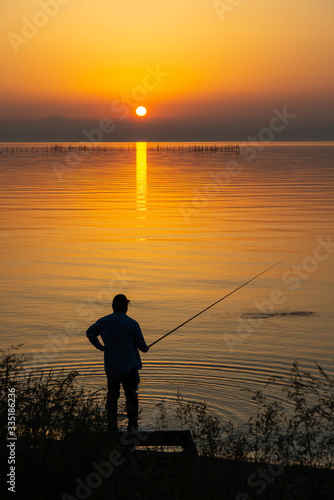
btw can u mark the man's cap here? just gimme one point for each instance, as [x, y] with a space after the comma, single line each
[120, 300]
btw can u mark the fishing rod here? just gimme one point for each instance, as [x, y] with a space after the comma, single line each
[209, 307]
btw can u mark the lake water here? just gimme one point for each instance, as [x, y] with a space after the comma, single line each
[175, 231]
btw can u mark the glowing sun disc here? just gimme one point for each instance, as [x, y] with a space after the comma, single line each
[141, 111]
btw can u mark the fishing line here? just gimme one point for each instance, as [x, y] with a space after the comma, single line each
[209, 307]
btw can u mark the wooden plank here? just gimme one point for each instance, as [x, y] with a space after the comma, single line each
[171, 438]
[136, 439]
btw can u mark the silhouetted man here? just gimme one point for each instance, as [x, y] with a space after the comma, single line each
[122, 338]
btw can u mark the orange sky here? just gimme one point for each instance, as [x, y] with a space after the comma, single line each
[86, 55]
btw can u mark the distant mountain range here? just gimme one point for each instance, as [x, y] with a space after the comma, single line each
[58, 128]
[54, 128]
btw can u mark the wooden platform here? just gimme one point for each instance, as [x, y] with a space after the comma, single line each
[132, 440]
[170, 438]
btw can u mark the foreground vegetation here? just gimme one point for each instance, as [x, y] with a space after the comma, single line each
[286, 450]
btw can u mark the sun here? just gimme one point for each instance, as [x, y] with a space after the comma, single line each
[141, 111]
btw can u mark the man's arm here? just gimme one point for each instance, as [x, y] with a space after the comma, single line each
[92, 333]
[140, 341]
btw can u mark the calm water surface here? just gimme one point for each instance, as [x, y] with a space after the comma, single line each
[174, 231]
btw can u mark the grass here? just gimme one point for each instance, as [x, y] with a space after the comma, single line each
[297, 429]
[286, 449]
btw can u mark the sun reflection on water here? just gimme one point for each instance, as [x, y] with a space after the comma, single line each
[141, 180]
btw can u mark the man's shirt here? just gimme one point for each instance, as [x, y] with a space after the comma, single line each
[122, 338]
